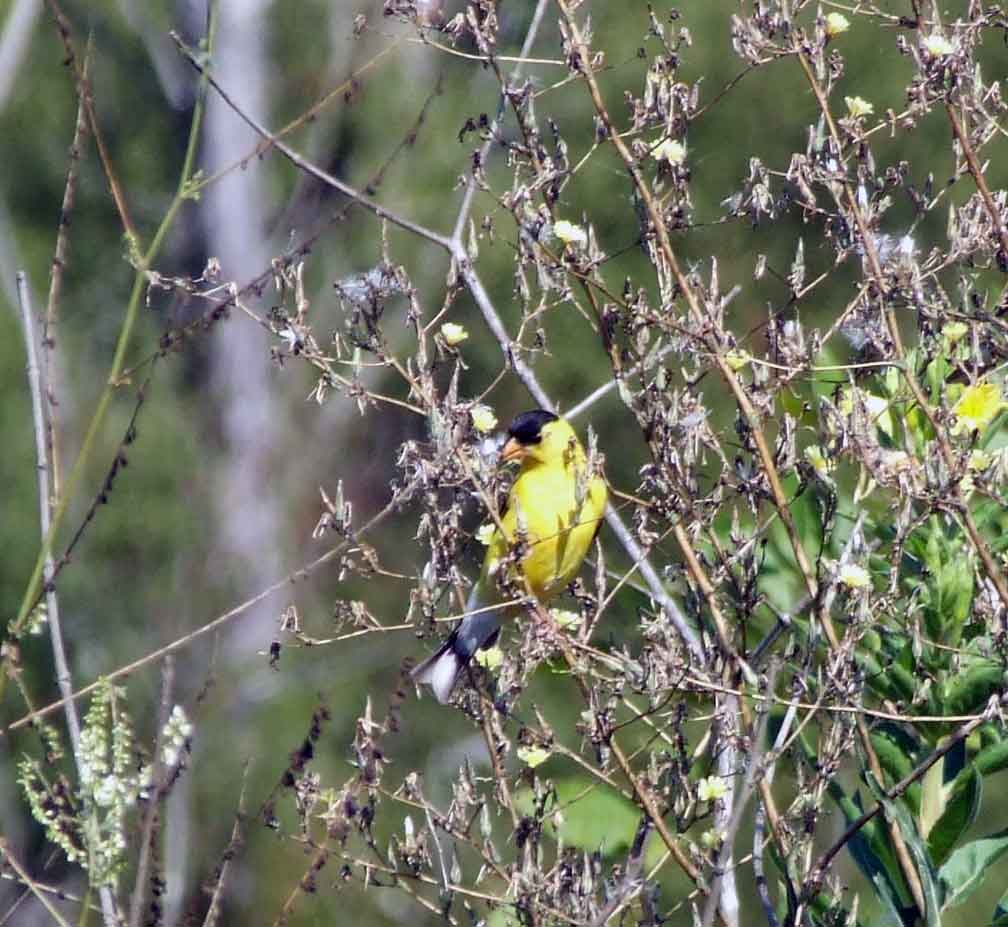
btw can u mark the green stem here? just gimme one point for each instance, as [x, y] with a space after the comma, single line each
[32, 592]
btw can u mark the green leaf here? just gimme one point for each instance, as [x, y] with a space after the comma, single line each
[887, 674]
[992, 759]
[934, 798]
[961, 809]
[826, 909]
[969, 690]
[1000, 918]
[592, 817]
[872, 851]
[896, 752]
[939, 569]
[808, 516]
[964, 870]
[948, 587]
[787, 899]
[903, 671]
[880, 680]
[896, 811]
[937, 371]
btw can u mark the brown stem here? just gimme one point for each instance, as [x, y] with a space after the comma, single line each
[87, 99]
[978, 178]
[643, 794]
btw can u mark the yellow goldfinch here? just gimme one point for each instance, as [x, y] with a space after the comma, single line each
[559, 527]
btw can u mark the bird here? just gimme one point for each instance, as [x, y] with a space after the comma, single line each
[558, 506]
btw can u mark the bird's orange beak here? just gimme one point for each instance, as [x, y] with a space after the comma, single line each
[513, 450]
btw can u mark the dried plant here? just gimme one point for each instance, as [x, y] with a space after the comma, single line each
[786, 656]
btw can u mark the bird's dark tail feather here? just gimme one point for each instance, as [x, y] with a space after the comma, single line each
[442, 669]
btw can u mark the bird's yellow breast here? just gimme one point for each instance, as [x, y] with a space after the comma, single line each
[559, 530]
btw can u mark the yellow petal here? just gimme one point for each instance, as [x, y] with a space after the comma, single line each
[533, 756]
[453, 333]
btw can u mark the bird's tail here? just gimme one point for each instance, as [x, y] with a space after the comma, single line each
[442, 669]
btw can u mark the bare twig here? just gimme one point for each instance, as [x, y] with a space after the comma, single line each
[63, 678]
[632, 881]
[31, 884]
[87, 101]
[978, 178]
[154, 799]
[484, 152]
[213, 911]
[290, 579]
[60, 253]
[303, 163]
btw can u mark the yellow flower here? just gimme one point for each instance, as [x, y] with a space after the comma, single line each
[736, 359]
[483, 418]
[670, 150]
[822, 464]
[712, 838]
[955, 331]
[978, 407]
[567, 619]
[712, 788]
[453, 334]
[854, 576]
[569, 233]
[979, 461]
[485, 533]
[836, 23]
[938, 46]
[489, 659]
[533, 756]
[858, 106]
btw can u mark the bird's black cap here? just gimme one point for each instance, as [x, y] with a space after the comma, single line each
[527, 427]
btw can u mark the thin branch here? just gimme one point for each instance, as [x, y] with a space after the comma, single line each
[302, 163]
[87, 100]
[63, 679]
[978, 178]
[754, 772]
[213, 911]
[484, 152]
[179, 643]
[154, 801]
[31, 884]
[632, 881]
[59, 262]
[342, 90]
